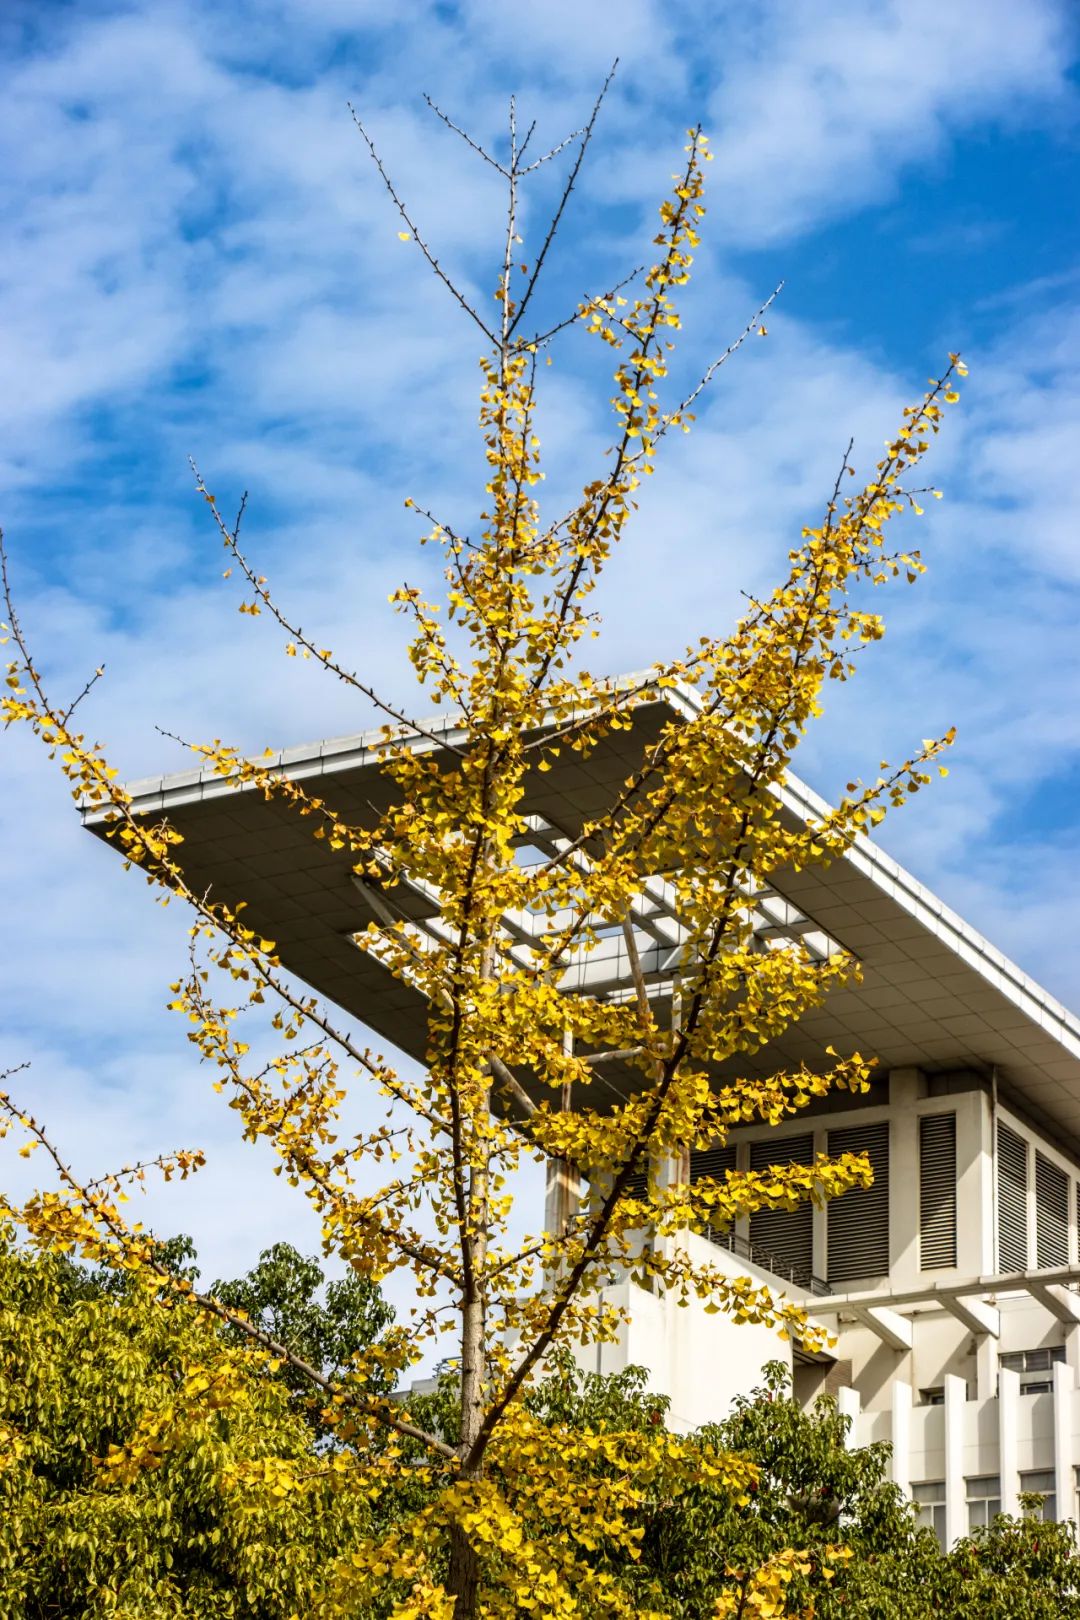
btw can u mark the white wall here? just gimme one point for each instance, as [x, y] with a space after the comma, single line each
[701, 1360]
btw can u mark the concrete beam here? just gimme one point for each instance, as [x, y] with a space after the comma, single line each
[1058, 1299]
[976, 1315]
[891, 1328]
[942, 1293]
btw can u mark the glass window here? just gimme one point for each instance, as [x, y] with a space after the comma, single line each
[1041, 1482]
[929, 1499]
[1036, 1367]
[983, 1499]
[934, 1394]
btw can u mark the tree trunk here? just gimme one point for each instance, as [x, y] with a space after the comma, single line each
[463, 1578]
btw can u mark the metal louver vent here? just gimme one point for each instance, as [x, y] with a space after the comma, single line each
[937, 1191]
[1051, 1213]
[858, 1221]
[713, 1162]
[1012, 1180]
[638, 1185]
[785, 1236]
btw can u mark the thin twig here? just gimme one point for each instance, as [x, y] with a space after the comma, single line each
[477, 148]
[544, 338]
[421, 244]
[574, 135]
[586, 137]
[751, 326]
[521, 149]
[322, 655]
[74, 704]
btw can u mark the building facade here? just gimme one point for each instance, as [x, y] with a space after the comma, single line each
[951, 1286]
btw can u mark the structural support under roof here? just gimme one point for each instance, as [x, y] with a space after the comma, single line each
[1059, 1300]
[971, 1300]
[975, 1314]
[891, 1328]
[604, 970]
[934, 993]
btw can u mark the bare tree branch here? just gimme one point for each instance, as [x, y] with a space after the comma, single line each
[458, 296]
[475, 145]
[586, 137]
[322, 655]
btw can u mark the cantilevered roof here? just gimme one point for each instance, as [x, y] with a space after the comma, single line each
[935, 994]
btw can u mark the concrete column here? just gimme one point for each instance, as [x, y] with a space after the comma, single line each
[1072, 1347]
[987, 1190]
[986, 1366]
[849, 1405]
[906, 1087]
[1008, 1451]
[562, 1193]
[955, 1492]
[819, 1220]
[902, 1401]
[1064, 1479]
[560, 1198]
[971, 1212]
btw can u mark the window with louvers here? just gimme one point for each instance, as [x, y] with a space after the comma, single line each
[858, 1222]
[1012, 1181]
[784, 1236]
[715, 1163]
[1051, 1213]
[937, 1191]
[638, 1184]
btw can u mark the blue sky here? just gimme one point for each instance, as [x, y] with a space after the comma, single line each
[198, 260]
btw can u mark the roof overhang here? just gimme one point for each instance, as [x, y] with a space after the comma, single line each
[934, 995]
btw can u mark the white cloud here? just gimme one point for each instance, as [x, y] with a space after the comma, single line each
[821, 109]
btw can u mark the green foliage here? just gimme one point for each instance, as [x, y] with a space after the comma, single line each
[239, 1513]
[281, 1295]
[813, 1495]
[141, 1457]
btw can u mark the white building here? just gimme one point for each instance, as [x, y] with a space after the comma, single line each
[952, 1285]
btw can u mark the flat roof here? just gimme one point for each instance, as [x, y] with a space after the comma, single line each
[935, 994]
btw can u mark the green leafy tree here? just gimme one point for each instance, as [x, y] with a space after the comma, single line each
[826, 1515]
[148, 1467]
[326, 1325]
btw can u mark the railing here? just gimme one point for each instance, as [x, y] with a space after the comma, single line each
[801, 1276]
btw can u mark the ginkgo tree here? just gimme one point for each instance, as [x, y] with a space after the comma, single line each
[510, 1518]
